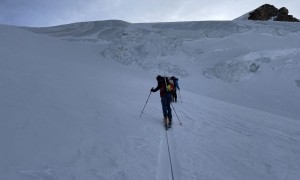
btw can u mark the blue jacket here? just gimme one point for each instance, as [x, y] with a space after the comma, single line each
[176, 84]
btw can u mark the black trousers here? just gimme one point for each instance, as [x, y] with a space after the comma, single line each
[174, 94]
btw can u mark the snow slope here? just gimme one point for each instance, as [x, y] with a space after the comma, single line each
[71, 97]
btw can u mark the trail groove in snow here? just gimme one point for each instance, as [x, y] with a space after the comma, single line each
[173, 151]
[163, 167]
[167, 163]
[170, 157]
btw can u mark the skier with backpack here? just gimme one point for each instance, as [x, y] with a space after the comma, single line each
[166, 86]
[174, 93]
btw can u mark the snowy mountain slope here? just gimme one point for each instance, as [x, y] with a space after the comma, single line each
[70, 109]
[225, 50]
[58, 108]
[235, 142]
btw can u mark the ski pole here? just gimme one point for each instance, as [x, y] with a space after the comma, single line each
[176, 114]
[145, 104]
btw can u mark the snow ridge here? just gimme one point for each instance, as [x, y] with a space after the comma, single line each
[153, 46]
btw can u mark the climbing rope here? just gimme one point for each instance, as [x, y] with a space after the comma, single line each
[170, 156]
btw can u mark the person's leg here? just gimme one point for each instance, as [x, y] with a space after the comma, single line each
[164, 106]
[172, 96]
[168, 107]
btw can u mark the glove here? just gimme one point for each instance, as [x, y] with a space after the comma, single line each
[152, 89]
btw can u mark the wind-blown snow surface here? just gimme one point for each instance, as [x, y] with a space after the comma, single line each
[71, 97]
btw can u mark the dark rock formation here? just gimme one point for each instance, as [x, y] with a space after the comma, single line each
[283, 15]
[269, 12]
[263, 13]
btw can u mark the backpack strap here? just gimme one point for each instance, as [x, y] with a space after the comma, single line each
[166, 84]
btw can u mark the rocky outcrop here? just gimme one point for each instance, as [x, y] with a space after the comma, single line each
[269, 12]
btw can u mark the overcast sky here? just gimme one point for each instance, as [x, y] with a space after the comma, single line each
[56, 12]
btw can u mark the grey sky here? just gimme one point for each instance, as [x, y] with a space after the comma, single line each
[55, 12]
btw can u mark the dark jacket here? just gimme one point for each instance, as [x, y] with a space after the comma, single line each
[161, 85]
[176, 84]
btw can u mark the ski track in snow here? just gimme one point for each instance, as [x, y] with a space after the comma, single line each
[164, 169]
[163, 166]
